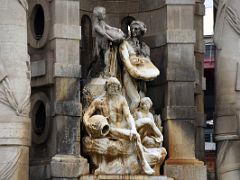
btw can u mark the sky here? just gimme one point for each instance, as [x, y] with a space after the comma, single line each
[208, 18]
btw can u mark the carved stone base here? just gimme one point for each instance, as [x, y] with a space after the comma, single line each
[68, 166]
[124, 177]
[186, 171]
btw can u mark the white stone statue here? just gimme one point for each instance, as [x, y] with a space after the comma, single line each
[138, 68]
[114, 107]
[107, 39]
[116, 142]
[146, 126]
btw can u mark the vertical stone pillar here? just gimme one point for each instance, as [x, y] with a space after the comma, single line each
[180, 111]
[15, 90]
[199, 95]
[65, 38]
[227, 78]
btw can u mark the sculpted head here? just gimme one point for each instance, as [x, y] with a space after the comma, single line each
[113, 86]
[145, 104]
[99, 12]
[138, 28]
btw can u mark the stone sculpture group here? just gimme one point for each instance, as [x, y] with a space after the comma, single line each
[122, 135]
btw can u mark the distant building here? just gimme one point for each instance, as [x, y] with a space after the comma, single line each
[209, 101]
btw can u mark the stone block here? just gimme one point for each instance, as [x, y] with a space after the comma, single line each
[68, 166]
[38, 68]
[65, 12]
[177, 15]
[186, 74]
[67, 51]
[179, 94]
[181, 36]
[67, 89]
[63, 31]
[180, 139]
[69, 108]
[39, 77]
[179, 112]
[67, 70]
[68, 134]
[180, 55]
[186, 172]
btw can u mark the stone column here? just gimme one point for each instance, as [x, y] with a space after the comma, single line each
[15, 90]
[179, 113]
[65, 38]
[199, 94]
[227, 78]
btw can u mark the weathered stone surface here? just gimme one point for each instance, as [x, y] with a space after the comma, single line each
[124, 177]
[68, 166]
[38, 68]
[47, 78]
[186, 172]
[38, 172]
[227, 38]
[66, 32]
[69, 108]
[179, 112]
[15, 131]
[15, 136]
[14, 162]
[67, 70]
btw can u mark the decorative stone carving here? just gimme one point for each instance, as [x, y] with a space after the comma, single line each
[24, 4]
[107, 40]
[227, 129]
[120, 141]
[135, 55]
[123, 141]
[15, 90]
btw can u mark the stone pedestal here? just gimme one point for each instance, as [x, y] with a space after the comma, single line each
[68, 167]
[124, 177]
[186, 172]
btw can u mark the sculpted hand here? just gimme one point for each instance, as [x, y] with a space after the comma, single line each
[134, 135]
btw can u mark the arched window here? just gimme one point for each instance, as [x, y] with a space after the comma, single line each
[125, 24]
[86, 45]
[86, 26]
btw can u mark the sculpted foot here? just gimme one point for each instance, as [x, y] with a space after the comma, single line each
[147, 169]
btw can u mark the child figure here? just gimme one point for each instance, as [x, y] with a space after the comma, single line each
[150, 134]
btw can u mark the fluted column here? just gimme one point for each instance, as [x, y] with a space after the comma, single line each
[15, 128]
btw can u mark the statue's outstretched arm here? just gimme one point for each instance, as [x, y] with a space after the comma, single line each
[99, 30]
[90, 110]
